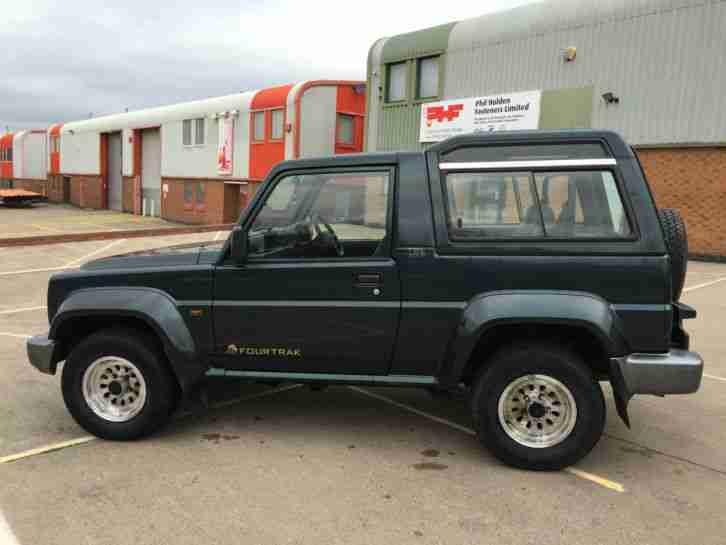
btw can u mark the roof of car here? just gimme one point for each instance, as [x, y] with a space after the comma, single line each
[616, 145]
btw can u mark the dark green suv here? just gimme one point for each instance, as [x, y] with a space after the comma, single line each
[517, 269]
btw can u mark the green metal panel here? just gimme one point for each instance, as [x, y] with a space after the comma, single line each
[417, 44]
[566, 109]
[399, 127]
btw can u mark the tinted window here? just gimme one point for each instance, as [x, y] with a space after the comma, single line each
[353, 205]
[258, 122]
[396, 82]
[201, 193]
[540, 152]
[492, 205]
[187, 132]
[345, 129]
[188, 192]
[428, 78]
[278, 119]
[581, 204]
[199, 131]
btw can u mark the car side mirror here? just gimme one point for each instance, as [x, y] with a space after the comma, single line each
[238, 245]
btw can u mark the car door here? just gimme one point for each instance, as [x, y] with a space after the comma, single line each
[296, 305]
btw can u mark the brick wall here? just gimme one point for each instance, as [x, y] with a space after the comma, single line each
[37, 186]
[221, 202]
[56, 190]
[87, 191]
[692, 180]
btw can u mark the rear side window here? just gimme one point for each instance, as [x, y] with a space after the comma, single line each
[558, 205]
[581, 205]
[492, 205]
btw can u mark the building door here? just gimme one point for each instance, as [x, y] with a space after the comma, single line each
[151, 171]
[115, 175]
[66, 185]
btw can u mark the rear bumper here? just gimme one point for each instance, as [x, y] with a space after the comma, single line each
[40, 353]
[675, 372]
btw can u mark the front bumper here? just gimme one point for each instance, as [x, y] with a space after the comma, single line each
[40, 353]
[675, 372]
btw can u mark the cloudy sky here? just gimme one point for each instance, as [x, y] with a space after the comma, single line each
[64, 60]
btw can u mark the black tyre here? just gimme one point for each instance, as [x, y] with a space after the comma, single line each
[676, 239]
[537, 406]
[117, 386]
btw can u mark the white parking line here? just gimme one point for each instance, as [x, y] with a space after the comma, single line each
[704, 285]
[602, 481]
[80, 260]
[7, 536]
[71, 265]
[26, 309]
[48, 448]
[714, 377]
[3, 334]
[88, 438]
[30, 271]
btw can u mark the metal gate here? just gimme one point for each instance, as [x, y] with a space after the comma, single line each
[151, 171]
[115, 175]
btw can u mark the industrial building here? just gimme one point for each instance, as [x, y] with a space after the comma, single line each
[6, 160]
[30, 169]
[648, 69]
[201, 162]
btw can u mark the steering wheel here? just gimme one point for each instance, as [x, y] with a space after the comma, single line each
[330, 235]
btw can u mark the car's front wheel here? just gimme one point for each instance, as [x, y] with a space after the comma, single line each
[116, 385]
[537, 406]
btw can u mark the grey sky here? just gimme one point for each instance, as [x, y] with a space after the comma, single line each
[61, 61]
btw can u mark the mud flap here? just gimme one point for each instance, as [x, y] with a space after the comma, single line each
[620, 391]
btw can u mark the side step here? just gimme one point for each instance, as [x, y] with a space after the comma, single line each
[330, 378]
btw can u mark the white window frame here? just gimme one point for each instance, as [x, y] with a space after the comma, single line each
[281, 112]
[193, 133]
[419, 63]
[261, 114]
[352, 130]
[389, 69]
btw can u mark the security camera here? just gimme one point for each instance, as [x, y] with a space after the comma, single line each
[610, 98]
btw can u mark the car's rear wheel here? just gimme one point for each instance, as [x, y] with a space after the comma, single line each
[117, 386]
[537, 406]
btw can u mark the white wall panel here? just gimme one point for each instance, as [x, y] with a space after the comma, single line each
[80, 152]
[241, 167]
[178, 160]
[291, 117]
[318, 120]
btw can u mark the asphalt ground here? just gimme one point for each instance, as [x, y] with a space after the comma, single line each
[343, 465]
[49, 219]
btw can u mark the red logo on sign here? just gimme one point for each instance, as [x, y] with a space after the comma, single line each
[443, 113]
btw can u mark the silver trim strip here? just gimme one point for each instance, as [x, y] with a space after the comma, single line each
[434, 304]
[309, 304]
[553, 163]
[642, 308]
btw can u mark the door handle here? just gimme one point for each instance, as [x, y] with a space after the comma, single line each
[368, 280]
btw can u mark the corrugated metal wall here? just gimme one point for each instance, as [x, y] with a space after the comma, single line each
[665, 66]
[399, 128]
[662, 58]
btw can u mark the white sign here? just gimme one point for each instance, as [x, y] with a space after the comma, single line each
[505, 112]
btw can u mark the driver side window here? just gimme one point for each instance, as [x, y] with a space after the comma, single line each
[323, 215]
